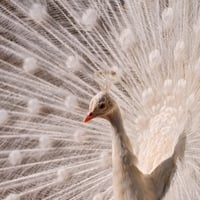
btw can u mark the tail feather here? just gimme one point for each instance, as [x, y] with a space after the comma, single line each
[179, 149]
[164, 173]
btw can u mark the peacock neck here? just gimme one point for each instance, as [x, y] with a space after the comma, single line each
[126, 176]
[116, 121]
[120, 138]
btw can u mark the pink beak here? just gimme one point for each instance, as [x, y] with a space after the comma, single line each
[88, 117]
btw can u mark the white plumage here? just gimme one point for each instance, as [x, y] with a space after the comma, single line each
[56, 55]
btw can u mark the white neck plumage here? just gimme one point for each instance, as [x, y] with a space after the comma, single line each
[126, 176]
[119, 134]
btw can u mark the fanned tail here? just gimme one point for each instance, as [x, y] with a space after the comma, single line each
[163, 174]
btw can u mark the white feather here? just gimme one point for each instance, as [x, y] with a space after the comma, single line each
[50, 52]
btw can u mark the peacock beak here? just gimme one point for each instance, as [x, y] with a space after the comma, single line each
[88, 117]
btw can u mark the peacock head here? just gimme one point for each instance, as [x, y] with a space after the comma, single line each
[101, 106]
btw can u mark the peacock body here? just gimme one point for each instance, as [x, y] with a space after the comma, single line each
[55, 55]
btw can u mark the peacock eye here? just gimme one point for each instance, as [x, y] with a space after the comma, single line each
[102, 105]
